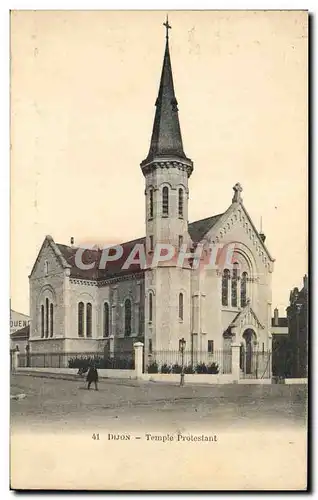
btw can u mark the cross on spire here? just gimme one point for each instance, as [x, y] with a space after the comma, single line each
[237, 193]
[168, 27]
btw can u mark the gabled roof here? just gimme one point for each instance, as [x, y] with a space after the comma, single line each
[262, 243]
[22, 334]
[89, 256]
[49, 240]
[13, 311]
[247, 312]
[113, 269]
[199, 228]
[214, 220]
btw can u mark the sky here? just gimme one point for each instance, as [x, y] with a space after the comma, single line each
[83, 89]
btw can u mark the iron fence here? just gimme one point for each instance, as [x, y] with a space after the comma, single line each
[255, 364]
[117, 360]
[171, 361]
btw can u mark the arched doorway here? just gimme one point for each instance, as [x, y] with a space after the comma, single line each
[249, 336]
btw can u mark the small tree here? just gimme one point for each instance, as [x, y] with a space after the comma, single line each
[189, 369]
[201, 368]
[176, 368]
[153, 367]
[213, 368]
[165, 368]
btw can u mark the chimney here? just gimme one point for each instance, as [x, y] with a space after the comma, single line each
[275, 316]
[72, 241]
[305, 281]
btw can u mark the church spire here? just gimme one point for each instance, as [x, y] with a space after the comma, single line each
[166, 140]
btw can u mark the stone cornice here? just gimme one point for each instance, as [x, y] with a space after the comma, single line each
[78, 281]
[184, 165]
[109, 281]
[117, 279]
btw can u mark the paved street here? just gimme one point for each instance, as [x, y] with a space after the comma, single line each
[66, 405]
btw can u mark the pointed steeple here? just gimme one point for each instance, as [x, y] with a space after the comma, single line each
[166, 140]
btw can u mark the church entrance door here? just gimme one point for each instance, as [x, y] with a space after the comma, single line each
[249, 336]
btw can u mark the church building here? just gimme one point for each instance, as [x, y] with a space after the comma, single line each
[88, 308]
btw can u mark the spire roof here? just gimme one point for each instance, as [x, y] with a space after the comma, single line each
[166, 137]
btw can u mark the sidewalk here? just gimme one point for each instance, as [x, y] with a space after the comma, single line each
[78, 378]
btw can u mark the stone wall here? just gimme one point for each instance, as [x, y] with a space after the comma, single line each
[166, 328]
[51, 286]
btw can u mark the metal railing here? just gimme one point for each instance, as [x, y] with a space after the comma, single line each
[170, 361]
[124, 360]
[256, 364]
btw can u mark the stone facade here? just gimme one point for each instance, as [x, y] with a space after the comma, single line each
[65, 293]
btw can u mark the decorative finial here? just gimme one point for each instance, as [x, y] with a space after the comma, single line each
[261, 234]
[237, 193]
[168, 27]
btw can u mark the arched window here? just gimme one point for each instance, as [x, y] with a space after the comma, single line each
[51, 320]
[46, 268]
[181, 306]
[46, 318]
[81, 319]
[42, 321]
[89, 320]
[127, 317]
[165, 201]
[151, 203]
[225, 287]
[106, 319]
[141, 320]
[180, 202]
[150, 307]
[234, 285]
[243, 289]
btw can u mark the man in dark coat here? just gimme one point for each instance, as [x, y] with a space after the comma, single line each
[92, 376]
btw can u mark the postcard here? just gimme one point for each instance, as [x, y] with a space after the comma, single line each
[159, 300]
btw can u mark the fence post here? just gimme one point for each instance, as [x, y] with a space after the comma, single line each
[15, 360]
[111, 346]
[138, 346]
[27, 354]
[236, 361]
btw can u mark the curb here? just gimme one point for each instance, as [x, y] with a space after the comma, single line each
[76, 378]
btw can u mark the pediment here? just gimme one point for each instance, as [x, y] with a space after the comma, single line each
[247, 317]
[49, 247]
[237, 216]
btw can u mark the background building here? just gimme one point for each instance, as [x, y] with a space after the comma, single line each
[18, 321]
[297, 314]
[279, 344]
[19, 330]
[290, 336]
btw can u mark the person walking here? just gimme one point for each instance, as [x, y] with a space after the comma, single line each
[92, 376]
